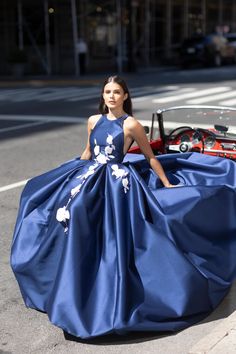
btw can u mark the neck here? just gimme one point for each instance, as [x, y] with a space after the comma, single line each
[116, 113]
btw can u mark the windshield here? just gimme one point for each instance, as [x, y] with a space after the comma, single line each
[203, 117]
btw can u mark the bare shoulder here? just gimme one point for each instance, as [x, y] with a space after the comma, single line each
[93, 120]
[132, 123]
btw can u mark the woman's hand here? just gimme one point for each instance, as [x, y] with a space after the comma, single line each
[169, 185]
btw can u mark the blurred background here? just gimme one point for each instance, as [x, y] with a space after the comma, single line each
[74, 37]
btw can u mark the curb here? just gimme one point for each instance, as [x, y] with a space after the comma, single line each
[222, 340]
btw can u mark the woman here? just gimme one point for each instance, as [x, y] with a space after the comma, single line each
[116, 103]
[101, 247]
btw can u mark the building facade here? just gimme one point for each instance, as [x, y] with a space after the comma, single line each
[120, 35]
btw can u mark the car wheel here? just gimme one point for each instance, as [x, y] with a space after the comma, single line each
[217, 60]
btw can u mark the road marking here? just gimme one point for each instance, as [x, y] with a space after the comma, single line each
[68, 95]
[47, 94]
[183, 91]
[71, 93]
[229, 102]
[140, 95]
[55, 119]
[212, 98]
[197, 93]
[165, 94]
[6, 94]
[13, 185]
[22, 126]
[144, 98]
[81, 98]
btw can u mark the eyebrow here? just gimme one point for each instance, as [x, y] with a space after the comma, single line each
[116, 90]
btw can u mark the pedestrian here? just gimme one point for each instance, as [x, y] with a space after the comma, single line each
[103, 245]
[82, 50]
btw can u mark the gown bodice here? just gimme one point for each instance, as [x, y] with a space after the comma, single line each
[107, 140]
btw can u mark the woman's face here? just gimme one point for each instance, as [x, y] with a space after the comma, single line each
[114, 96]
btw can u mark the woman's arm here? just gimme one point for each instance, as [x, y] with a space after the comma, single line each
[138, 134]
[86, 154]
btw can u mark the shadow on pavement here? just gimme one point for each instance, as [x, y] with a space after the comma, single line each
[113, 339]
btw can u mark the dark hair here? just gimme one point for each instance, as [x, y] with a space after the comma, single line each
[127, 103]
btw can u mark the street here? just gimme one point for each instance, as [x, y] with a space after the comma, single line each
[42, 126]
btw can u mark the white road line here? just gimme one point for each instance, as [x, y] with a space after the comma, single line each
[197, 93]
[47, 94]
[145, 98]
[23, 97]
[229, 102]
[22, 126]
[67, 94]
[29, 95]
[182, 91]
[73, 94]
[83, 97]
[212, 98]
[56, 119]
[13, 185]
[6, 94]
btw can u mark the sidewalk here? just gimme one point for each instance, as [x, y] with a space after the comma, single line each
[222, 340]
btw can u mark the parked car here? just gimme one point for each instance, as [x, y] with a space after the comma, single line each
[231, 37]
[213, 49]
[217, 137]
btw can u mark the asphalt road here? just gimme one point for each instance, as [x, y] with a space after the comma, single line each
[29, 150]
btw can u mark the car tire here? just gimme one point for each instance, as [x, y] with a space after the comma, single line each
[217, 60]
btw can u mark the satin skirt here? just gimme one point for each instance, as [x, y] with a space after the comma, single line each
[146, 258]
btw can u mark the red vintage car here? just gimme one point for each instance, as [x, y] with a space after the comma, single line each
[208, 130]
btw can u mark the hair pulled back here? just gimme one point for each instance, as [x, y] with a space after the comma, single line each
[127, 106]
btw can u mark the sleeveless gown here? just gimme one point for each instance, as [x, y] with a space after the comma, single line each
[102, 247]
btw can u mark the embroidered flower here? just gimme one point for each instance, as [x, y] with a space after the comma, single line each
[109, 139]
[62, 214]
[96, 148]
[75, 190]
[125, 183]
[101, 158]
[90, 171]
[118, 172]
[121, 173]
[108, 150]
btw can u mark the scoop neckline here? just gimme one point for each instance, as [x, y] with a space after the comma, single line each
[111, 120]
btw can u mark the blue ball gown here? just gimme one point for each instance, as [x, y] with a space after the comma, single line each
[102, 247]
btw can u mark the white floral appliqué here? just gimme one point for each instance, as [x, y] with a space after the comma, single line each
[89, 172]
[109, 139]
[104, 157]
[62, 214]
[96, 149]
[121, 173]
